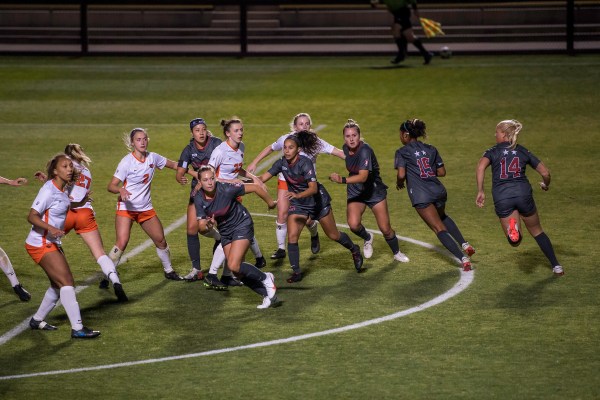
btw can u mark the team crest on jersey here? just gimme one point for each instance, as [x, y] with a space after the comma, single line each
[366, 162]
[151, 165]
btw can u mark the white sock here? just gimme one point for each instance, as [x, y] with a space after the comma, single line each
[213, 233]
[7, 268]
[281, 234]
[107, 266]
[165, 258]
[254, 247]
[69, 302]
[314, 228]
[217, 261]
[48, 304]
[115, 255]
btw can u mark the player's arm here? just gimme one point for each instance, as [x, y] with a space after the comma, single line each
[361, 177]
[262, 193]
[484, 162]
[338, 153]
[114, 186]
[311, 191]
[35, 219]
[400, 178]
[265, 177]
[13, 182]
[254, 164]
[440, 171]
[545, 174]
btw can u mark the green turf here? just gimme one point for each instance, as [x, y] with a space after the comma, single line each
[515, 332]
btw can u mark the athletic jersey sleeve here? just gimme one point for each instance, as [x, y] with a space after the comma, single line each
[278, 144]
[399, 161]
[43, 200]
[324, 147]
[122, 169]
[365, 159]
[185, 158]
[276, 168]
[216, 157]
[159, 161]
[307, 170]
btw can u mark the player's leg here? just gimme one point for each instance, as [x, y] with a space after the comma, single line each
[533, 225]
[154, 229]
[382, 217]
[354, 213]
[10, 273]
[296, 223]
[283, 204]
[330, 228]
[454, 231]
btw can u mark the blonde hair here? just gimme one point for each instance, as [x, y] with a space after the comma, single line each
[75, 151]
[511, 128]
[295, 119]
[128, 137]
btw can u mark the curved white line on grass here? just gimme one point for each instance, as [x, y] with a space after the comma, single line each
[466, 278]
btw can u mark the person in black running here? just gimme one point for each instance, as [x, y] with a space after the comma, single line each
[308, 199]
[511, 191]
[420, 165]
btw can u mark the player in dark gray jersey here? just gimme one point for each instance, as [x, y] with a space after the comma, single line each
[419, 165]
[365, 188]
[216, 204]
[194, 155]
[308, 199]
[511, 191]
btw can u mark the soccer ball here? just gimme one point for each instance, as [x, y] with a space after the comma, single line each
[445, 52]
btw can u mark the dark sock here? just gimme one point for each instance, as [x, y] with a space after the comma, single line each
[393, 243]
[546, 245]
[251, 272]
[294, 256]
[362, 233]
[453, 229]
[420, 46]
[345, 241]
[193, 246]
[255, 285]
[450, 244]
[401, 44]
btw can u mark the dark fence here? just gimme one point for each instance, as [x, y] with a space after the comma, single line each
[255, 27]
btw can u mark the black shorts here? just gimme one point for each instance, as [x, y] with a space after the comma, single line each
[402, 17]
[240, 233]
[315, 213]
[525, 205]
[371, 200]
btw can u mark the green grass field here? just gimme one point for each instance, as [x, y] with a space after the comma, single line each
[515, 332]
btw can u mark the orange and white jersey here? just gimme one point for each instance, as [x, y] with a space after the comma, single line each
[227, 161]
[82, 187]
[52, 204]
[136, 176]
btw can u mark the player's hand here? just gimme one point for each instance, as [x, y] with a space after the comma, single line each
[335, 177]
[399, 185]
[19, 182]
[251, 168]
[183, 180]
[124, 194]
[544, 187]
[480, 200]
[40, 176]
[273, 205]
[210, 222]
[290, 195]
[54, 232]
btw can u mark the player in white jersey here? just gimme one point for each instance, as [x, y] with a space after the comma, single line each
[47, 216]
[301, 122]
[227, 159]
[132, 181]
[5, 263]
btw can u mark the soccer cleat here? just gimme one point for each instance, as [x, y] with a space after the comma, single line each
[357, 258]
[295, 277]
[368, 246]
[21, 292]
[277, 254]
[174, 276]
[558, 270]
[427, 58]
[119, 292]
[84, 333]
[268, 302]
[212, 282]
[400, 256]
[41, 325]
[229, 280]
[398, 59]
[513, 231]
[194, 275]
[466, 264]
[269, 284]
[315, 244]
[260, 262]
[103, 284]
[467, 248]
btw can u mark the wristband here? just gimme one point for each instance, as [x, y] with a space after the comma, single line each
[343, 179]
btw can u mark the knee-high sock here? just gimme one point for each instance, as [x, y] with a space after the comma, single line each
[419, 45]
[294, 256]
[7, 268]
[254, 247]
[48, 304]
[313, 228]
[255, 285]
[453, 229]
[193, 247]
[362, 233]
[281, 234]
[108, 268]
[401, 44]
[217, 261]
[69, 302]
[450, 244]
[115, 255]
[251, 272]
[393, 243]
[165, 258]
[345, 241]
[546, 245]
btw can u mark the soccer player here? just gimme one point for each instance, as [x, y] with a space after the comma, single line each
[227, 159]
[511, 191]
[47, 217]
[420, 165]
[131, 182]
[196, 154]
[217, 204]
[308, 199]
[5, 263]
[301, 122]
[365, 188]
